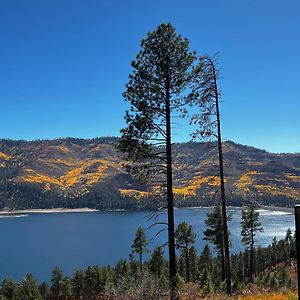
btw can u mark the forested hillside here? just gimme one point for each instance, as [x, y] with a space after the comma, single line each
[80, 172]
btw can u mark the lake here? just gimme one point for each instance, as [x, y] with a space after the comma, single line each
[35, 243]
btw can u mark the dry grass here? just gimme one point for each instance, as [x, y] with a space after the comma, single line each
[193, 292]
[272, 296]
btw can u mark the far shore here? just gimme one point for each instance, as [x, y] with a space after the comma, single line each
[264, 207]
[86, 209]
[47, 211]
[277, 208]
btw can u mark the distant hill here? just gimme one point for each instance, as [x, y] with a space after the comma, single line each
[37, 173]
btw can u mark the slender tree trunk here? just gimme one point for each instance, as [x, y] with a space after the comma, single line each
[187, 269]
[223, 202]
[223, 263]
[141, 262]
[252, 255]
[171, 238]
[251, 264]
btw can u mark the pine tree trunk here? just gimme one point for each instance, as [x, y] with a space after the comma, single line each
[251, 260]
[171, 238]
[223, 202]
[223, 262]
[141, 262]
[187, 269]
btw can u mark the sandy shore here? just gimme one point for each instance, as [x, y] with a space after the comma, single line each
[264, 207]
[47, 211]
[277, 208]
[85, 209]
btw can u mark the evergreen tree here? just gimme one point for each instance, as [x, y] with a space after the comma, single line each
[206, 281]
[238, 268]
[92, 282]
[250, 226]
[193, 263]
[139, 245]
[157, 262]
[159, 87]
[210, 126]
[28, 289]
[205, 260]
[214, 234]
[66, 288]
[184, 239]
[78, 283]
[8, 289]
[44, 290]
[274, 254]
[133, 266]
[56, 280]
[121, 270]
[289, 245]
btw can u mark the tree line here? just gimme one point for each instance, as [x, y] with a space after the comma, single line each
[15, 196]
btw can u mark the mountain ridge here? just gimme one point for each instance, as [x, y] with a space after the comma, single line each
[73, 168]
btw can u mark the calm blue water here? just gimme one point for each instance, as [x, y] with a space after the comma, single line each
[37, 242]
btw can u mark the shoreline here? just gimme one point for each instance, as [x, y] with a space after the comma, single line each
[277, 208]
[260, 207]
[47, 211]
[86, 209]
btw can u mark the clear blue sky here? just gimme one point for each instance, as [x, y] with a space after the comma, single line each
[64, 64]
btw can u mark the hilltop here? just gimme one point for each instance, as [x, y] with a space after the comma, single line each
[70, 171]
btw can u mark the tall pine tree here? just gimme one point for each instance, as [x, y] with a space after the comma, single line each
[209, 121]
[159, 88]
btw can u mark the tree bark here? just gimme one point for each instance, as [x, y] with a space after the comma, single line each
[223, 263]
[223, 202]
[141, 262]
[170, 200]
[251, 264]
[251, 252]
[187, 269]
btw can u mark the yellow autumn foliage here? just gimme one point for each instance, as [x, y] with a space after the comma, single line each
[67, 163]
[47, 186]
[245, 180]
[79, 174]
[93, 178]
[63, 148]
[184, 191]
[4, 156]
[292, 177]
[40, 178]
[72, 177]
[275, 191]
[254, 163]
[132, 192]
[195, 184]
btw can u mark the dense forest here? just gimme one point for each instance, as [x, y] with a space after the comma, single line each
[31, 196]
